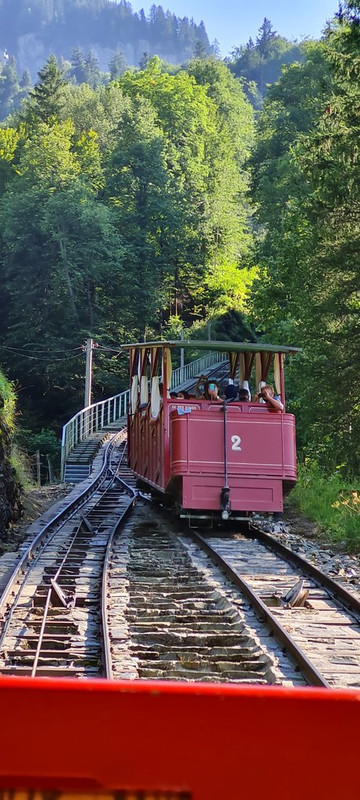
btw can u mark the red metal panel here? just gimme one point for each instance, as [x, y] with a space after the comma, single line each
[147, 447]
[255, 442]
[246, 494]
[289, 439]
[260, 455]
[213, 741]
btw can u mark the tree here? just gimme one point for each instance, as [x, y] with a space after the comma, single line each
[206, 124]
[78, 66]
[10, 91]
[200, 50]
[261, 63]
[46, 98]
[309, 285]
[117, 65]
[93, 75]
[265, 37]
[144, 200]
[9, 139]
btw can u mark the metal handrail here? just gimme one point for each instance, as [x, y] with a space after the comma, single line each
[95, 417]
[183, 374]
[90, 420]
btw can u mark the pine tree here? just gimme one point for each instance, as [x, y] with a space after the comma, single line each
[78, 66]
[47, 95]
[200, 51]
[265, 37]
[92, 70]
[117, 65]
[9, 88]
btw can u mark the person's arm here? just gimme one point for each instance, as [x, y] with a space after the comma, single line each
[276, 404]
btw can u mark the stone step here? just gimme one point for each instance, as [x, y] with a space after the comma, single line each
[75, 473]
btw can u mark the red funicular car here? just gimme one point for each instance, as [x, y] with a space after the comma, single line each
[211, 457]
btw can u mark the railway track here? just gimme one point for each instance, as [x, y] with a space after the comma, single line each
[169, 621]
[98, 593]
[316, 619]
[51, 605]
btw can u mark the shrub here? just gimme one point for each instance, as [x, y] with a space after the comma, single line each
[331, 501]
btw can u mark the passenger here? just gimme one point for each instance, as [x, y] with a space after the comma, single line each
[244, 395]
[174, 395]
[266, 395]
[211, 391]
[230, 393]
[200, 387]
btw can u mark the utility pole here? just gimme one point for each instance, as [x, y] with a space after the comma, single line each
[182, 356]
[88, 373]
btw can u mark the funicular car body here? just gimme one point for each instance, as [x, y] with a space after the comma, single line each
[211, 457]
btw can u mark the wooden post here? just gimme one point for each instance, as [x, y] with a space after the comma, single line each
[38, 468]
[51, 477]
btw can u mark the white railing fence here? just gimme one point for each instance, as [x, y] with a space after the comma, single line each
[183, 374]
[90, 420]
[97, 416]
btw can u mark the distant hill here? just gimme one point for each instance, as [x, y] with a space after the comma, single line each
[30, 30]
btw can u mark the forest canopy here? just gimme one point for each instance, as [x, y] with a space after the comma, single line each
[162, 199]
[123, 208]
[307, 191]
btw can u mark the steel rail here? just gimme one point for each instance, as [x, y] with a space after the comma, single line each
[41, 634]
[108, 662]
[65, 514]
[311, 674]
[69, 548]
[335, 588]
[47, 604]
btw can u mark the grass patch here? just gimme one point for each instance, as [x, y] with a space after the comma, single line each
[330, 501]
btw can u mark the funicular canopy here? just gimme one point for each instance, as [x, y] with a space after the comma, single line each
[151, 362]
[217, 346]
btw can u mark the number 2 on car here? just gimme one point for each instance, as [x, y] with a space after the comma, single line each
[236, 442]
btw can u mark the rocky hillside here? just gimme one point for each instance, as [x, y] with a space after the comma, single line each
[30, 30]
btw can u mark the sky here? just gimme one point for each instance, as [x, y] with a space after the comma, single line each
[232, 22]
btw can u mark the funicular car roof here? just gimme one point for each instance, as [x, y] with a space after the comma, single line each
[210, 344]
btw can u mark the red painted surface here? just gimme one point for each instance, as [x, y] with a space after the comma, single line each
[261, 455]
[215, 741]
[190, 446]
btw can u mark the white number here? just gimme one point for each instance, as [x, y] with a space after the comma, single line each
[236, 442]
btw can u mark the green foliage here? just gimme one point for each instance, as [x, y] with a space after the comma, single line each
[9, 449]
[21, 463]
[123, 206]
[8, 143]
[260, 62]
[45, 441]
[173, 328]
[331, 502]
[206, 128]
[7, 402]
[12, 89]
[46, 99]
[308, 194]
